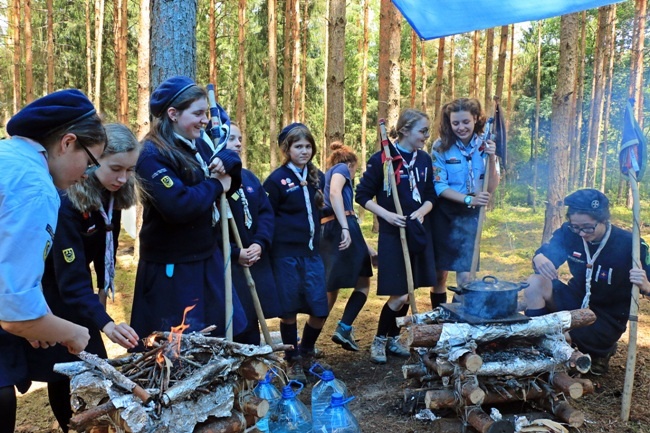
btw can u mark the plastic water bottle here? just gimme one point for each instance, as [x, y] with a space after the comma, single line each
[290, 415]
[321, 394]
[267, 391]
[337, 418]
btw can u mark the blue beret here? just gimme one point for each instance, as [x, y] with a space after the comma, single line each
[49, 113]
[166, 92]
[587, 200]
[287, 129]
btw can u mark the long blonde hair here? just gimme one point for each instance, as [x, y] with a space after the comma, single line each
[86, 195]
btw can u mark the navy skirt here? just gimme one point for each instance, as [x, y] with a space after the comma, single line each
[454, 227]
[162, 292]
[301, 284]
[343, 268]
[13, 363]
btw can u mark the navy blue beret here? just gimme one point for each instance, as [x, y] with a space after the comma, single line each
[587, 200]
[49, 113]
[166, 92]
[287, 129]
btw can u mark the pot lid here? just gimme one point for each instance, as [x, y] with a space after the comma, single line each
[492, 284]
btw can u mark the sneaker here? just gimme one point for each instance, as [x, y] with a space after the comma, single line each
[345, 338]
[295, 370]
[395, 347]
[378, 350]
[313, 353]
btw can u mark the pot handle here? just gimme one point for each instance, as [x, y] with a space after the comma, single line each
[455, 290]
[489, 279]
[523, 285]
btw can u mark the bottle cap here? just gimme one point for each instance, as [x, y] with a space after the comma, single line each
[339, 400]
[288, 392]
[327, 375]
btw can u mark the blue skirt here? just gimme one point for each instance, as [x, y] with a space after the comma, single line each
[163, 291]
[301, 285]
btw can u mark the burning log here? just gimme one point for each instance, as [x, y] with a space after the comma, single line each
[440, 334]
[483, 423]
[231, 346]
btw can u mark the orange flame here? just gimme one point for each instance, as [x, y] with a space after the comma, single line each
[175, 335]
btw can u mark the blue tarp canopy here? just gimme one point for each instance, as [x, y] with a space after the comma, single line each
[437, 18]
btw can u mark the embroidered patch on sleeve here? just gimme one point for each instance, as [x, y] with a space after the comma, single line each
[167, 181]
[68, 255]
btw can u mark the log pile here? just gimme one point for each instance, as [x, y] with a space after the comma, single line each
[467, 368]
[181, 383]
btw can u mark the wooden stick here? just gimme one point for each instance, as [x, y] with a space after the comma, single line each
[115, 376]
[567, 385]
[251, 284]
[398, 209]
[80, 420]
[227, 264]
[634, 303]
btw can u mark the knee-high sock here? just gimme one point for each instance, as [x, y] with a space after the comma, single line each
[7, 409]
[353, 307]
[386, 321]
[309, 337]
[290, 336]
[59, 395]
[394, 330]
[437, 299]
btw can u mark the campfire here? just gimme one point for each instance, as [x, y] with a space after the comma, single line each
[181, 383]
[468, 367]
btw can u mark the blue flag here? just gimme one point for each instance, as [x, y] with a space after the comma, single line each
[438, 18]
[633, 153]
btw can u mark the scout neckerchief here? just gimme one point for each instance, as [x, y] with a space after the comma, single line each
[590, 264]
[109, 262]
[191, 146]
[302, 176]
[469, 182]
[410, 168]
[248, 218]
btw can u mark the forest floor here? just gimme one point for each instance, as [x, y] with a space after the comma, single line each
[510, 237]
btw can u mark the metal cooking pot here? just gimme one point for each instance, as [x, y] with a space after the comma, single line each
[490, 298]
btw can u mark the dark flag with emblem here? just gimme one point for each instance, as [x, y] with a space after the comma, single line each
[633, 153]
[500, 133]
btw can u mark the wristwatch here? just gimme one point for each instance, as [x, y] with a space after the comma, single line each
[468, 200]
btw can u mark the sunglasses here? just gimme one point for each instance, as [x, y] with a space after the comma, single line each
[586, 230]
[94, 165]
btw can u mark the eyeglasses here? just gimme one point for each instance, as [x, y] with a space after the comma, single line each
[94, 165]
[586, 230]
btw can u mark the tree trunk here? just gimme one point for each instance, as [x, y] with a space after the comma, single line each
[335, 73]
[414, 53]
[273, 82]
[323, 153]
[597, 98]
[389, 67]
[49, 81]
[489, 62]
[501, 66]
[29, 69]
[142, 122]
[576, 154]
[303, 58]
[473, 80]
[512, 62]
[636, 64]
[99, 36]
[286, 65]
[437, 99]
[364, 85]
[295, 60]
[241, 81]
[173, 40]
[423, 73]
[538, 99]
[15, 18]
[89, 54]
[609, 78]
[122, 33]
[560, 124]
[452, 73]
[213, 66]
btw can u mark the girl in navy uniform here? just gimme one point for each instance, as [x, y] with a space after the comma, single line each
[294, 193]
[55, 142]
[599, 258]
[415, 189]
[343, 248]
[181, 263]
[87, 232]
[254, 217]
[459, 157]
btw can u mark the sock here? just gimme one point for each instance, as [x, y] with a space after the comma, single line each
[309, 337]
[59, 395]
[394, 330]
[386, 319]
[437, 299]
[353, 307]
[249, 336]
[290, 336]
[534, 312]
[7, 409]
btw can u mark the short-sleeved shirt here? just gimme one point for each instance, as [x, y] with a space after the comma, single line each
[29, 204]
[347, 191]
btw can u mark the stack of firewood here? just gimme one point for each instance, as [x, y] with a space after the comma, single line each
[181, 383]
[468, 368]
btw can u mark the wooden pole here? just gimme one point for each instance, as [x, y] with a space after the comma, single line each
[398, 209]
[634, 303]
[227, 264]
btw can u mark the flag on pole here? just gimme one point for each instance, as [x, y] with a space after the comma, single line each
[500, 134]
[437, 18]
[633, 153]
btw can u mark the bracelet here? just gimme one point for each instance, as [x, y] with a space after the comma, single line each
[345, 228]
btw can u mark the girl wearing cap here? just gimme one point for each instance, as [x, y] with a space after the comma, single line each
[254, 217]
[415, 190]
[181, 263]
[459, 157]
[55, 142]
[343, 248]
[87, 232]
[598, 254]
[294, 193]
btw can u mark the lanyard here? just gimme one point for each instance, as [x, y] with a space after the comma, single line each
[590, 264]
[302, 176]
[109, 262]
[410, 168]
